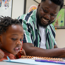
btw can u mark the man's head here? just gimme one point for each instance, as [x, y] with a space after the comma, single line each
[47, 11]
[11, 35]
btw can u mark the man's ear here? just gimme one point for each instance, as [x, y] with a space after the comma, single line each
[39, 5]
[0, 42]
[0, 38]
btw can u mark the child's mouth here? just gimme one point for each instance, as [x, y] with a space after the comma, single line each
[17, 49]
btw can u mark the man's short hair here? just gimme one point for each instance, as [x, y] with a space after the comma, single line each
[58, 2]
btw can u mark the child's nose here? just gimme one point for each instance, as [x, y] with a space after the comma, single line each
[19, 42]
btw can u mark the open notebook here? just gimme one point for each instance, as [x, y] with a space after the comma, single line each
[35, 61]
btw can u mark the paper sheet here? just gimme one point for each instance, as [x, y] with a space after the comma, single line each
[30, 61]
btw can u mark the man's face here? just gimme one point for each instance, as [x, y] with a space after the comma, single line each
[11, 40]
[47, 12]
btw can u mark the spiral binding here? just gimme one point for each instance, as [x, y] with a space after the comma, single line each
[43, 58]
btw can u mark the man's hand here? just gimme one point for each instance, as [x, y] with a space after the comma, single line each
[1, 54]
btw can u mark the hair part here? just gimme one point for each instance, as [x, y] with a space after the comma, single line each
[5, 22]
[58, 2]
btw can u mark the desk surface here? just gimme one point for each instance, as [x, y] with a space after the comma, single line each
[8, 63]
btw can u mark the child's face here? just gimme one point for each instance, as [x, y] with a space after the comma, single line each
[12, 39]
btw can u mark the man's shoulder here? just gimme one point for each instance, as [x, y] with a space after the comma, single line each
[28, 14]
[29, 17]
[21, 16]
[52, 25]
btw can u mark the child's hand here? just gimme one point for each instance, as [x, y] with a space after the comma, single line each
[20, 53]
[1, 54]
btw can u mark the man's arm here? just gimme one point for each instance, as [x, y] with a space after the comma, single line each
[35, 51]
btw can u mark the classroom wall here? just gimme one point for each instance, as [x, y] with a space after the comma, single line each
[18, 8]
[64, 2]
[29, 4]
[60, 37]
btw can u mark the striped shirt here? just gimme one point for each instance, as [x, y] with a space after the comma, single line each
[31, 32]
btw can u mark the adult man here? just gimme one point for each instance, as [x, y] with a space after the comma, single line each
[39, 38]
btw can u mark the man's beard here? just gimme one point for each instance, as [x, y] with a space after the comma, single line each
[39, 23]
[42, 25]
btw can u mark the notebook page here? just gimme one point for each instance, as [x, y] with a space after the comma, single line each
[30, 61]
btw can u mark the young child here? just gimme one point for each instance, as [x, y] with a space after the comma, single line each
[11, 37]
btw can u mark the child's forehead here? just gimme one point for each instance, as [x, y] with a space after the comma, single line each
[15, 28]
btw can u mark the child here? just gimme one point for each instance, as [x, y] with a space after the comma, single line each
[11, 37]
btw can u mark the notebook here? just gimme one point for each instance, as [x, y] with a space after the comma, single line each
[32, 61]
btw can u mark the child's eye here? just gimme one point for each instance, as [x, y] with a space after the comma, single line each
[14, 39]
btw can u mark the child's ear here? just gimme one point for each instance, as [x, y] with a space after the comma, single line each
[0, 38]
[0, 42]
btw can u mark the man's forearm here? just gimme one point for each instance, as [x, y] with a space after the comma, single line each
[35, 51]
[46, 52]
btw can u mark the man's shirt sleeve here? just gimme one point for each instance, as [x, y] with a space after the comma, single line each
[27, 34]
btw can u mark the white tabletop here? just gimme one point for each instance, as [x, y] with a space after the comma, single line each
[8, 63]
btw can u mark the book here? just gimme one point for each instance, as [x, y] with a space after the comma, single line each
[33, 61]
[43, 58]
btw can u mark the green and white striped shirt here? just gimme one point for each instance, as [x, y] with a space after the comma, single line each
[31, 32]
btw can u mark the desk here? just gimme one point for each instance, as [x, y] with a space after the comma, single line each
[27, 62]
[8, 63]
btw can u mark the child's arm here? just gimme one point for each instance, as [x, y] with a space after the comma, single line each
[20, 53]
[1, 54]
